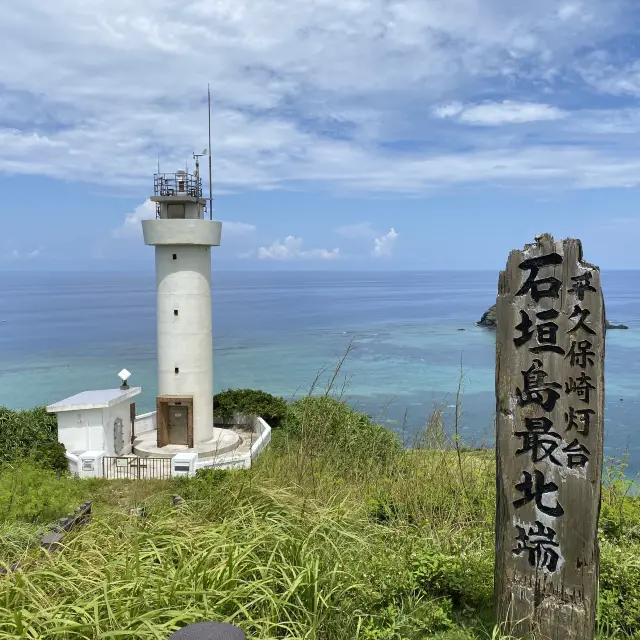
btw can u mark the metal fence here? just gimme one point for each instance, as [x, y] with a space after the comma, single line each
[135, 468]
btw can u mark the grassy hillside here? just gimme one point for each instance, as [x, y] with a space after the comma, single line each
[337, 533]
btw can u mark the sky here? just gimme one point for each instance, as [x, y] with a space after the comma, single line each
[350, 134]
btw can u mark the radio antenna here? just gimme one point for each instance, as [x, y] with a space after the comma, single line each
[210, 186]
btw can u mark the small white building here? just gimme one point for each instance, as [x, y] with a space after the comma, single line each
[96, 421]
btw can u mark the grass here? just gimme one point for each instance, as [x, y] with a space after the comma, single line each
[337, 533]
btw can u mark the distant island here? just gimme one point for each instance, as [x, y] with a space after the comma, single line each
[489, 320]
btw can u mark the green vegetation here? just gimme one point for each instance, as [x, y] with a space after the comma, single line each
[337, 533]
[33, 435]
[251, 402]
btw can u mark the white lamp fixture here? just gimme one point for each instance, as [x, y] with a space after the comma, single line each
[124, 376]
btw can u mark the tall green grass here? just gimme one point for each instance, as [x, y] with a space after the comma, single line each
[337, 533]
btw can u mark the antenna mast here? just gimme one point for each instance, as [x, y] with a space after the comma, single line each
[210, 187]
[197, 157]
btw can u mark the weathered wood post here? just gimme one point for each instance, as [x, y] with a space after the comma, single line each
[549, 441]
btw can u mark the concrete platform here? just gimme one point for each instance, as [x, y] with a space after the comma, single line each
[224, 441]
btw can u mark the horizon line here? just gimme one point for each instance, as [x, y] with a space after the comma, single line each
[151, 270]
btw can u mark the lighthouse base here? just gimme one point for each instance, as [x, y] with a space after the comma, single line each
[223, 441]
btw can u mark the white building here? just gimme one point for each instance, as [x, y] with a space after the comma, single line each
[96, 422]
[183, 236]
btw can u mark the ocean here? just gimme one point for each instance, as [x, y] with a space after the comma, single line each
[62, 333]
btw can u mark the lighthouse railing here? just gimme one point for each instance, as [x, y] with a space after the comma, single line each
[177, 184]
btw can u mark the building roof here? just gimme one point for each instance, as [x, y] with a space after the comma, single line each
[98, 399]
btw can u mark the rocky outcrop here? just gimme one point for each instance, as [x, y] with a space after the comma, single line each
[489, 320]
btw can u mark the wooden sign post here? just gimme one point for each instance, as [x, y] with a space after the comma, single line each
[549, 441]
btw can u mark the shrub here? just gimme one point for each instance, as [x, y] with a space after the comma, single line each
[465, 576]
[31, 434]
[273, 409]
[29, 493]
[329, 424]
[619, 594]
[408, 620]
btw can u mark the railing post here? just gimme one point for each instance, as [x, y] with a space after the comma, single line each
[209, 631]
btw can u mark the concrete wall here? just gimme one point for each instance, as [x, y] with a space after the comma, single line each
[263, 431]
[73, 463]
[185, 340]
[145, 422]
[243, 461]
[182, 232]
[81, 430]
[92, 429]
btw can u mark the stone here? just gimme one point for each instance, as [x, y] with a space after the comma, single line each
[11, 568]
[549, 441]
[52, 541]
[209, 631]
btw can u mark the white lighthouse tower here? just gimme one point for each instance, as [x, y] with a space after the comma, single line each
[183, 235]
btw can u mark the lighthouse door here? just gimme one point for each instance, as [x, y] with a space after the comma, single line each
[178, 424]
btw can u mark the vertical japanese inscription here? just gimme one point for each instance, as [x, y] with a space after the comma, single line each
[549, 433]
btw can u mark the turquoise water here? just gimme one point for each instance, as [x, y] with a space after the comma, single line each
[61, 333]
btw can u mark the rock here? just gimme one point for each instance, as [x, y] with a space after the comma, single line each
[178, 501]
[489, 320]
[52, 541]
[615, 326]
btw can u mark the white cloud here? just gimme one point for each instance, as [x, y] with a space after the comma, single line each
[34, 254]
[132, 227]
[383, 243]
[496, 113]
[383, 246]
[291, 249]
[289, 86]
[231, 228]
[608, 77]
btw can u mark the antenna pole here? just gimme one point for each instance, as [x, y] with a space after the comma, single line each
[210, 186]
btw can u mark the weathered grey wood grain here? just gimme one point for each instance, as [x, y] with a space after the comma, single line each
[548, 589]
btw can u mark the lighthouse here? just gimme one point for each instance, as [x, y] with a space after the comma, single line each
[183, 234]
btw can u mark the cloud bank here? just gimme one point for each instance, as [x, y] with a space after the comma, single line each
[375, 96]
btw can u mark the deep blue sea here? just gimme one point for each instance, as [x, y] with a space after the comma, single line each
[62, 333]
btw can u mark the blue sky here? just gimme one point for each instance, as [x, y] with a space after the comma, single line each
[407, 134]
